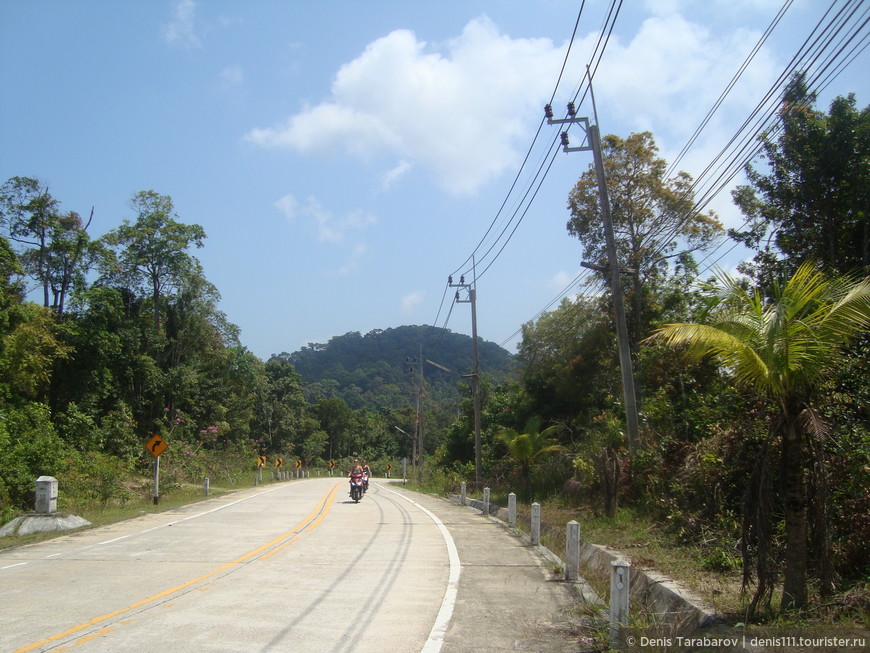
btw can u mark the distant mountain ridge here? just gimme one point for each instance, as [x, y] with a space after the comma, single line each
[374, 370]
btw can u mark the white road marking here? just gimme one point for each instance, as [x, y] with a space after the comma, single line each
[17, 564]
[439, 628]
[154, 528]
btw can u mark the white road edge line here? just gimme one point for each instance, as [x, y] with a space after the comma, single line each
[17, 564]
[439, 628]
[154, 528]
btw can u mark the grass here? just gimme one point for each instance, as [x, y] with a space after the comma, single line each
[115, 511]
[649, 546]
[712, 571]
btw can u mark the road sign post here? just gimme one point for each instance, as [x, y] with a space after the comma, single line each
[156, 480]
[156, 446]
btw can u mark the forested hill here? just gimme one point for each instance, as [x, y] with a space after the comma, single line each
[374, 370]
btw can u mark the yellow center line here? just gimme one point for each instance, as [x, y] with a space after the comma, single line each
[323, 507]
[326, 508]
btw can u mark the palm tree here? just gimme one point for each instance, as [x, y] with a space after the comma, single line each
[531, 445]
[783, 348]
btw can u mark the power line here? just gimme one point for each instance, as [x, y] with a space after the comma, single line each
[538, 178]
[574, 282]
[745, 151]
[745, 140]
[528, 152]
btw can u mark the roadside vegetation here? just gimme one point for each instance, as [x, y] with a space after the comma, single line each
[750, 477]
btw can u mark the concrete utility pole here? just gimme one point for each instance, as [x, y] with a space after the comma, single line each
[420, 395]
[594, 140]
[418, 424]
[475, 369]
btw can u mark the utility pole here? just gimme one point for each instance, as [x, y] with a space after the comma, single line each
[594, 143]
[421, 393]
[475, 369]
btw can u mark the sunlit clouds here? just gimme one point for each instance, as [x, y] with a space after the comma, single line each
[461, 111]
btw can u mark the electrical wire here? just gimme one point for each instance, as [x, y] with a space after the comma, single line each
[744, 149]
[528, 152]
[541, 174]
[574, 282]
[744, 145]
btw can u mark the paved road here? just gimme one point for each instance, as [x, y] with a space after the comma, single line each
[289, 567]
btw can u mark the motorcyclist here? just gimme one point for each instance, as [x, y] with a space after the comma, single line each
[356, 471]
[366, 472]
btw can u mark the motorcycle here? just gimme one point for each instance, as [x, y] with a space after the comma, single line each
[356, 487]
[365, 479]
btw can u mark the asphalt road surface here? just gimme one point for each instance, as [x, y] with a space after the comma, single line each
[292, 567]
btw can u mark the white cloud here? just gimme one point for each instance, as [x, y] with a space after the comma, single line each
[644, 89]
[396, 173]
[288, 206]
[327, 226]
[412, 300]
[460, 111]
[233, 75]
[342, 231]
[353, 261]
[648, 89]
[180, 30]
[560, 280]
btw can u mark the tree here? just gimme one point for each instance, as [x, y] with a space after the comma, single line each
[30, 350]
[52, 245]
[813, 200]
[153, 250]
[568, 362]
[782, 349]
[656, 226]
[530, 445]
[71, 255]
[283, 409]
[337, 420]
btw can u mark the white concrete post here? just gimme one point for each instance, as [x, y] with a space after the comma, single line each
[486, 501]
[205, 486]
[462, 494]
[572, 551]
[619, 588]
[536, 523]
[512, 509]
[46, 495]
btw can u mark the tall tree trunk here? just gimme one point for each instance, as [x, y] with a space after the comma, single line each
[794, 590]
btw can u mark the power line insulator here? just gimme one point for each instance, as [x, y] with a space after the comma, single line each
[571, 110]
[548, 111]
[565, 139]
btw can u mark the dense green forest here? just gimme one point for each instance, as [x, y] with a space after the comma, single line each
[753, 392]
[379, 369]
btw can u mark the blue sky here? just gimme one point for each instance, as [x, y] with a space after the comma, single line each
[345, 157]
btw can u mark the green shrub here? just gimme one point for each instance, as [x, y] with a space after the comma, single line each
[29, 448]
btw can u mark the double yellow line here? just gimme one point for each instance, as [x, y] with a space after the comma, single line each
[307, 524]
